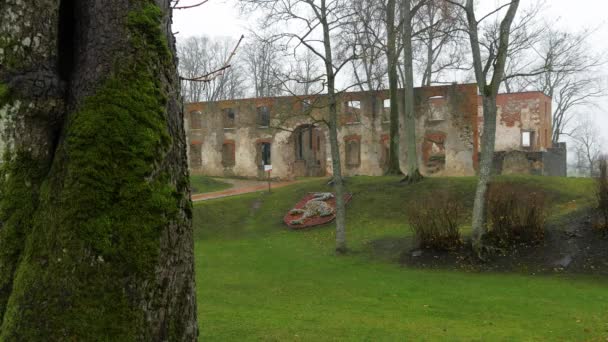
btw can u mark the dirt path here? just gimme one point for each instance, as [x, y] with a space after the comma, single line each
[239, 187]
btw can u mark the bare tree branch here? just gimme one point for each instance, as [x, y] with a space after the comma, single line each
[176, 3]
[218, 72]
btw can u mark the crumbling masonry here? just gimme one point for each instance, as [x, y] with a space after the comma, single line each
[239, 137]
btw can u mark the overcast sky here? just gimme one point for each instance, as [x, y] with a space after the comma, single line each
[222, 18]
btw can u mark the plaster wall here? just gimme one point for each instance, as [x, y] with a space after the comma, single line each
[517, 113]
[447, 132]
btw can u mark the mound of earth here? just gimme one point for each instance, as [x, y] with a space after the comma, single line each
[571, 245]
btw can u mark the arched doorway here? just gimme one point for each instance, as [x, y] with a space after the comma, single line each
[309, 152]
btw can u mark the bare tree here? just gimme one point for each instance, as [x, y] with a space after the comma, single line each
[409, 8]
[202, 55]
[572, 77]
[558, 63]
[262, 57]
[392, 57]
[399, 42]
[522, 63]
[588, 145]
[303, 76]
[367, 27]
[489, 73]
[318, 25]
[95, 235]
[192, 54]
[437, 32]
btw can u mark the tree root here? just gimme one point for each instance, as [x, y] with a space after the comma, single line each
[413, 177]
[393, 172]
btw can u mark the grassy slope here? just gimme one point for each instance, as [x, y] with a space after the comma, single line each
[203, 184]
[256, 280]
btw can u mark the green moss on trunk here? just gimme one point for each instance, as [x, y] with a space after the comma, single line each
[4, 94]
[20, 177]
[95, 238]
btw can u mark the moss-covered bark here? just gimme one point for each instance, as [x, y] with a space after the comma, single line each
[97, 233]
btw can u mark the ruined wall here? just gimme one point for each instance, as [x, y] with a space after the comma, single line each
[555, 161]
[541, 163]
[446, 131]
[518, 163]
[519, 112]
[245, 135]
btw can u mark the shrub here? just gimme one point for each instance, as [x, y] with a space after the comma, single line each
[515, 214]
[435, 220]
[602, 195]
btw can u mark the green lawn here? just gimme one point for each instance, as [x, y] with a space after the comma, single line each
[258, 281]
[203, 184]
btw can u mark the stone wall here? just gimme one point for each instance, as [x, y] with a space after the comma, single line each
[551, 162]
[226, 137]
[518, 113]
[555, 161]
[446, 132]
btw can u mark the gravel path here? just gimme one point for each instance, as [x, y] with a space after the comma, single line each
[239, 187]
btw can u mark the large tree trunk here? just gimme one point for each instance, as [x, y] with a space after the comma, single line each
[393, 85]
[96, 239]
[413, 172]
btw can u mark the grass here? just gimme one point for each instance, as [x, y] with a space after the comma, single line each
[258, 281]
[204, 184]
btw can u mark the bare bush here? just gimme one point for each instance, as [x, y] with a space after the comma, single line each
[516, 214]
[435, 220]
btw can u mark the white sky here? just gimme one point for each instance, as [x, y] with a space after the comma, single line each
[222, 18]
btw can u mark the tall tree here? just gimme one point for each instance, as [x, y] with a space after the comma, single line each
[489, 74]
[392, 57]
[408, 11]
[96, 239]
[366, 27]
[318, 25]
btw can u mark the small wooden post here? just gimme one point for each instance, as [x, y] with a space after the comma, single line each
[268, 169]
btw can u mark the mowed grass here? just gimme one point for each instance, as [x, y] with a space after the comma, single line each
[203, 184]
[257, 280]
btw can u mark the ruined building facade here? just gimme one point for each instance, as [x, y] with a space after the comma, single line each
[239, 137]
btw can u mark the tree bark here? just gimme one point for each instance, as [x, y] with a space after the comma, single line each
[489, 92]
[96, 239]
[338, 181]
[393, 84]
[413, 170]
[488, 142]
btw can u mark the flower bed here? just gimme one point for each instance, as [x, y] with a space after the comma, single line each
[312, 221]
